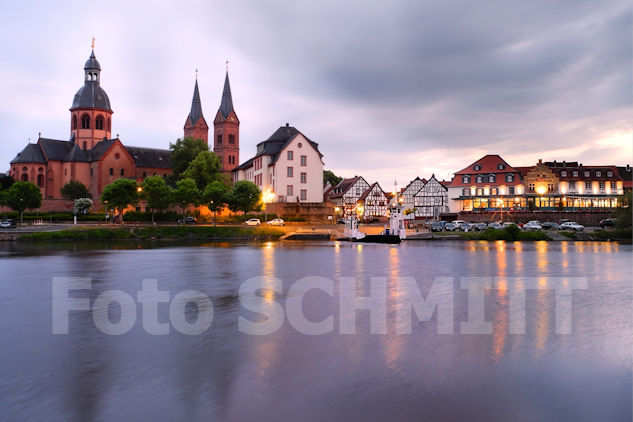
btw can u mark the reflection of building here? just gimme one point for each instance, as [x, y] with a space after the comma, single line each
[91, 156]
[431, 200]
[489, 182]
[287, 165]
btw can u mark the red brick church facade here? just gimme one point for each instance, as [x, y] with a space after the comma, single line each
[92, 157]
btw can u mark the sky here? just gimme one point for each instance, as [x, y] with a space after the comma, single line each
[390, 90]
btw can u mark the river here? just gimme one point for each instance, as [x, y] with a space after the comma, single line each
[433, 372]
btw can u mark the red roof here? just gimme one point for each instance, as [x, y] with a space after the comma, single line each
[487, 165]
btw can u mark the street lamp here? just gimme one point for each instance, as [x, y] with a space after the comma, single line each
[267, 197]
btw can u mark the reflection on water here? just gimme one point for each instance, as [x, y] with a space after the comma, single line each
[223, 374]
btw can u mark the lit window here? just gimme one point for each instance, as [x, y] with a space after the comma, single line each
[588, 185]
[613, 185]
[601, 185]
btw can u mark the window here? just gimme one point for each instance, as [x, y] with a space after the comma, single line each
[289, 172]
[511, 190]
[91, 172]
[531, 187]
[480, 179]
[465, 179]
[85, 121]
[99, 122]
[575, 174]
[289, 191]
[491, 178]
[586, 174]
[601, 185]
[231, 139]
[304, 177]
[144, 175]
[588, 185]
[493, 191]
[609, 174]
[25, 177]
[500, 166]
[303, 194]
[598, 174]
[551, 187]
[357, 191]
[109, 126]
[613, 185]
[477, 167]
[465, 192]
[75, 122]
[290, 155]
[219, 139]
[111, 171]
[122, 172]
[509, 177]
[117, 156]
[563, 173]
[304, 160]
[480, 191]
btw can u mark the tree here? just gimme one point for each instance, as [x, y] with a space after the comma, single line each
[82, 205]
[244, 196]
[623, 213]
[22, 196]
[5, 182]
[328, 176]
[204, 169]
[75, 190]
[157, 194]
[183, 152]
[215, 196]
[120, 194]
[186, 194]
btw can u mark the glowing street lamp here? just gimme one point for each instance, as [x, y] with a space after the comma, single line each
[267, 197]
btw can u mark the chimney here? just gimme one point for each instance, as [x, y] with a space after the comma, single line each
[628, 167]
[287, 124]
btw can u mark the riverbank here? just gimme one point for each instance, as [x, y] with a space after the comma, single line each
[156, 233]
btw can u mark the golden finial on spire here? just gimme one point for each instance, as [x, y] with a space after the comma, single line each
[93, 43]
[227, 65]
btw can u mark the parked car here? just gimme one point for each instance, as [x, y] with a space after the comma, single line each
[480, 226]
[508, 224]
[572, 225]
[466, 227]
[252, 222]
[563, 220]
[450, 227]
[7, 224]
[607, 222]
[533, 225]
[458, 223]
[276, 222]
[187, 220]
[495, 225]
[549, 225]
[437, 226]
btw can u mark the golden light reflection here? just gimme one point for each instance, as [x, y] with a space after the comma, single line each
[541, 254]
[500, 320]
[542, 315]
[267, 347]
[393, 342]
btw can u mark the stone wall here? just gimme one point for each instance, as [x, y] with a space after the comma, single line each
[313, 212]
[49, 205]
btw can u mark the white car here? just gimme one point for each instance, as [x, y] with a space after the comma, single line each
[495, 225]
[572, 225]
[252, 222]
[276, 222]
[458, 223]
[533, 225]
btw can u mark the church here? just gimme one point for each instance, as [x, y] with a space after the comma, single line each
[93, 157]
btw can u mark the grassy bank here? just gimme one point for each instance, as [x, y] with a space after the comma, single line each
[157, 233]
[509, 233]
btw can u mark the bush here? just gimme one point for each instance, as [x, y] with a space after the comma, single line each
[620, 234]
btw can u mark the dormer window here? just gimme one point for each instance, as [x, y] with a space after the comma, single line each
[465, 179]
[563, 173]
[500, 166]
[510, 177]
[480, 179]
[575, 174]
[477, 167]
[586, 174]
[598, 174]
[609, 174]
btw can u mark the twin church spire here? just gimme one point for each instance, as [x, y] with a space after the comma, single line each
[225, 126]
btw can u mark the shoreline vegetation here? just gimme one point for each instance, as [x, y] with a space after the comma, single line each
[156, 233]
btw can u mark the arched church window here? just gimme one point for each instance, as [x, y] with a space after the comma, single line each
[75, 122]
[85, 121]
[40, 180]
[99, 122]
[25, 177]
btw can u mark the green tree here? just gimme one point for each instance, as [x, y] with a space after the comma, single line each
[623, 213]
[22, 196]
[120, 194]
[158, 195]
[75, 190]
[215, 196]
[186, 194]
[244, 196]
[204, 169]
[183, 152]
[82, 205]
[5, 182]
[329, 176]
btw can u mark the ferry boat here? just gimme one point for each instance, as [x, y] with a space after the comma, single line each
[392, 235]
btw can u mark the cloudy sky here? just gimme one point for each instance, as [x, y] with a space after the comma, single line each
[390, 90]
